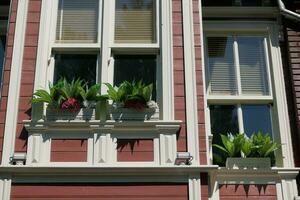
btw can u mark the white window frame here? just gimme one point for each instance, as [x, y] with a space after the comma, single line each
[106, 48]
[277, 97]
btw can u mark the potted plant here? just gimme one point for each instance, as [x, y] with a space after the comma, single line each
[242, 152]
[131, 101]
[69, 100]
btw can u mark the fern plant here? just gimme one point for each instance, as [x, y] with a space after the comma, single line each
[259, 145]
[130, 94]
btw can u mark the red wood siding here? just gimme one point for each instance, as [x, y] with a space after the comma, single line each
[291, 55]
[7, 68]
[68, 150]
[135, 150]
[248, 192]
[138, 191]
[204, 187]
[28, 72]
[179, 78]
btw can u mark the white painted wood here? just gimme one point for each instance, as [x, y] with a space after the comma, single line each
[194, 188]
[14, 85]
[5, 188]
[190, 83]
[100, 152]
[166, 79]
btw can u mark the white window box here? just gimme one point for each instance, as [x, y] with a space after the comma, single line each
[82, 114]
[118, 114]
[248, 163]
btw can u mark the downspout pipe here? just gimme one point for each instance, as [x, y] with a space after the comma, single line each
[287, 13]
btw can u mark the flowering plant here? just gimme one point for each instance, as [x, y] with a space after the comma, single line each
[69, 96]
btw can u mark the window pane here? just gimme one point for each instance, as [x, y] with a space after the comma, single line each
[223, 119]
[257, 118]
[139, 67]
[254, 78]
[2, 51]
[135, 21]
[75, 66]
[239, 3]
[77, 21]
[222, 78]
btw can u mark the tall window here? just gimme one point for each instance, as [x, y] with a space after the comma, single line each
[130, 50]
[238, 84]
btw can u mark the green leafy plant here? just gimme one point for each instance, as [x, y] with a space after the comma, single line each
[130, 94]
[64, 94]
[259, 145]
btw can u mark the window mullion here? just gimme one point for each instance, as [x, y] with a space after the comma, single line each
[237, 65]
[240, 118]
[268, 66]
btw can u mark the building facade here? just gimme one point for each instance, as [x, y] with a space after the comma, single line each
[216, 67]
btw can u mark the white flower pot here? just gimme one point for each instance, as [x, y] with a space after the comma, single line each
[248, 163]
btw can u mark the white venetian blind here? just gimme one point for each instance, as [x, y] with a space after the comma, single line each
[254, 79]
[222, 76]
[135, 21]
[77, 21]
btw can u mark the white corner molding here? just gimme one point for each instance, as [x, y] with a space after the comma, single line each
[44, 51]
[15, 81]
[190, 83]
[194, 188]
[5, 187]
[166, 78]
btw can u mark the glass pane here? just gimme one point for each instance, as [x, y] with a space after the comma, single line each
[2, 53]
[223, 120]
[222, 78]
[75, 66]
[239, 3]
[135, 21]
[77, 21]
[139, 67]
[254, 78]
[257, 118]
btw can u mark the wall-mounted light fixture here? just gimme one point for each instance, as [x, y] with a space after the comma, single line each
[183, 158]
[18, 159]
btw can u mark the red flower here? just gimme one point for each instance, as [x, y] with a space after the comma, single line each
[71, 104]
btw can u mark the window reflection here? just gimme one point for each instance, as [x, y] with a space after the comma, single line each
[257, 118]
[136, 68]
[75, 66]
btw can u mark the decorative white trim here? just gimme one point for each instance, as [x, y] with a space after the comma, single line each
[194, 188]
[190, 83]
[43, 51]
[5, 187]
[166, 78]
[102, 136]
[14, 85]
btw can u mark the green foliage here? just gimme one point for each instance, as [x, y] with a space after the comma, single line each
[64, 90]
[130, 91]
[258, 146]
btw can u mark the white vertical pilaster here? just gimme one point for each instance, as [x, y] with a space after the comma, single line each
[194, 188]
[166, 79]
[101, 150]
[5, 187]
[34, 149]
[15, 81]
[168, 149]
[190, 83]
